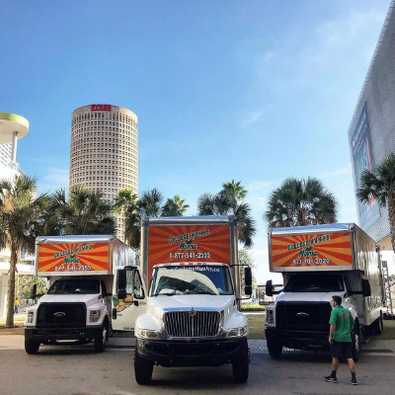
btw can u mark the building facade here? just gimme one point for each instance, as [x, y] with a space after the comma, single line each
[372, 130]
[104, 151]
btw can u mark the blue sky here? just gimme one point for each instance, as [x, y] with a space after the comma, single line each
[255, 91]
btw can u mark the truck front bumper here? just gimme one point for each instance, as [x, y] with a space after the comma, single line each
[51, 335]
[192, 353]
[301, 340]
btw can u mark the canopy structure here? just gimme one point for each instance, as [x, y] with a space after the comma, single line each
[12, 128]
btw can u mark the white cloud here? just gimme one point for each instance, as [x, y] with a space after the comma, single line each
[54, 179]
[255, 116]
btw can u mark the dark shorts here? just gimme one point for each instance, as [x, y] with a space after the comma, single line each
[339, 349]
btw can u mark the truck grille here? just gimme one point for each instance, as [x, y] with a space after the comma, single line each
[61, 315]
[310, 316]
[192, 323]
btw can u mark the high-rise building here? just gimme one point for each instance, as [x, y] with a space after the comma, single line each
[104, 151]
[371, 132]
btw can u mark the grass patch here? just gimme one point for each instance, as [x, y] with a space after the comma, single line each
[388, 332]
[252, 307]
[12, 331]
[257, 327]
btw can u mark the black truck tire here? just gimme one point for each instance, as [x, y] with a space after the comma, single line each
[31, 346]
[100, 340]
[274, 346]
[378, 326]
[241, 367]
[356, 344]
[142, 369]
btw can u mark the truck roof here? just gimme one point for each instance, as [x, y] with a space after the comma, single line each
[312, 229]
[74, 239]
[190, 220]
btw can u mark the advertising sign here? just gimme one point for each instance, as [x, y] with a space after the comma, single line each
[60, 259]
[361, 149]
[202, 243]
[317, 251]
[100, 107]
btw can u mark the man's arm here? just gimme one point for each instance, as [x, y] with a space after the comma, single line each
[331, 332]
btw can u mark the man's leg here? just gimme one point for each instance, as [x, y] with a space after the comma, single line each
[335, 364]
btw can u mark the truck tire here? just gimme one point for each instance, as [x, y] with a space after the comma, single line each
[142, 369]
[378, 326]
[31, 346]
[241, 367]
[274, 346]
[100, 340]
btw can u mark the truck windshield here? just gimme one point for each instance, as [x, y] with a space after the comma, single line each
[74, 287]
[314, 283]
[183, 280]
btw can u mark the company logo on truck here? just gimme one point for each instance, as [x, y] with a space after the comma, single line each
[188, 237]
[73, 253]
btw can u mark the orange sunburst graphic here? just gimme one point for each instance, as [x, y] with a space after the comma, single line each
[319, 250]
[56, 258]
[208, 243]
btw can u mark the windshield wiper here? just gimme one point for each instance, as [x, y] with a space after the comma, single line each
[166, 294]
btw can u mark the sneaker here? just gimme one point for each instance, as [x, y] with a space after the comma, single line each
[331, 379]
[354, 381]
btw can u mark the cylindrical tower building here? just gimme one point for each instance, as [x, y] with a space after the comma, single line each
[104, 151]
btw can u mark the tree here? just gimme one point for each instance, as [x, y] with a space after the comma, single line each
[175, 207]
[20, 218]
[84, 213]
[301, 202]
[230, 200]
[380, 185]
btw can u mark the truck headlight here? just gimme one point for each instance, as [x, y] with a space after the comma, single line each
[94, 316]
[30, 317]
[269, 317]
[237, 332]
[147, 333]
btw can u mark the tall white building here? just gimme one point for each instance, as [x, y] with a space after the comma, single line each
[104, 151]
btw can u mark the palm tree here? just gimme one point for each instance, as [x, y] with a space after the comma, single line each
[230, 200]
[380, 185]
[150, 203]
[301, 202]
[175, 207]
[85, 212]
[20, 217]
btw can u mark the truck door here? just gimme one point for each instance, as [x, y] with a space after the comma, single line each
[132, 302]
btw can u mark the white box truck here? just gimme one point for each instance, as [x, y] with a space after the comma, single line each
[87, 296]
[192, 316]
[317, 262]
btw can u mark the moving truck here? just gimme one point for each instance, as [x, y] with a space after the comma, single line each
[317, 262]
[192, 316]
[95, 287]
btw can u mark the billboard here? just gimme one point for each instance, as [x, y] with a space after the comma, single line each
[73, 258]
[100, 107]
[317, 251]
[361, 150]
[202, 243]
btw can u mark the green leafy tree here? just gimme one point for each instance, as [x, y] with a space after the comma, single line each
[230, 200]
[380, 185]
[20, 219]
[301, 202]
[86, 212]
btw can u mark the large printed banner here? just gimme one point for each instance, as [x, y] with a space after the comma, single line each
[194, 243]
[316, 250]
[76, 258]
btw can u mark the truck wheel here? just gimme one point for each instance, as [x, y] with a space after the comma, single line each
[274, 346]
[31, 346]
[378, 326]
[355, 346]
[142, 369]
[101, 340]
[241, 367]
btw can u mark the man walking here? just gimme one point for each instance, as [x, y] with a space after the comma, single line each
[341, 324]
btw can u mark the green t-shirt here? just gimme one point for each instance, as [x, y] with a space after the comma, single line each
[343, 321]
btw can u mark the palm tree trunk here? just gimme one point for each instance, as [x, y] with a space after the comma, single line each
[11, 287]
[391, 212]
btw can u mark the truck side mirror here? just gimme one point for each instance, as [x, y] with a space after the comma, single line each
[121, 284]
[33, 292]
[366, 291]
[247, 277]
[269, 288]
[248, 290]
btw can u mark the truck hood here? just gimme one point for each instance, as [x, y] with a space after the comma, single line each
[88, 299]
[307, 296]
[157, 304]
